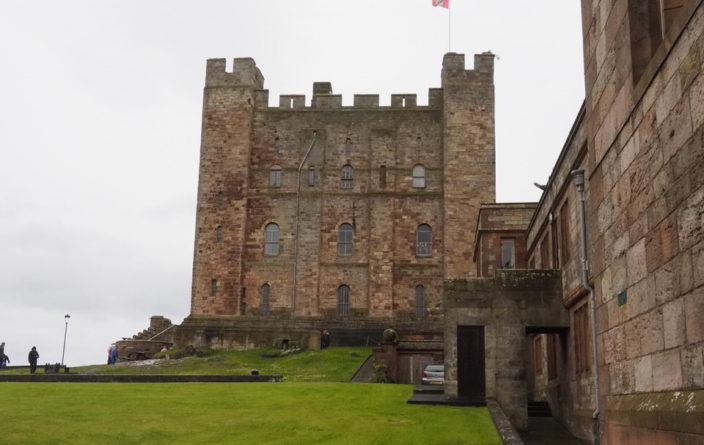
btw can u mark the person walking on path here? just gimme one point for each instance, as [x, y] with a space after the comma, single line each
[113, 355]
[4, 360]
[110, 354]
[33, 356]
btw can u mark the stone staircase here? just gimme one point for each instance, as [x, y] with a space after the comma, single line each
[539, 409]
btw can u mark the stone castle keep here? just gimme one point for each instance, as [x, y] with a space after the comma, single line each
[324, 216]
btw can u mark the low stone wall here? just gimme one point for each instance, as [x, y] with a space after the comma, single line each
[124, 378]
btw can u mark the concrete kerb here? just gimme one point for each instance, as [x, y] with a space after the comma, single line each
[126, 378]
[508, 433]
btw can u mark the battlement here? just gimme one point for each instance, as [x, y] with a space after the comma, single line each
[453, 67]
[244, 73]
[323, 99]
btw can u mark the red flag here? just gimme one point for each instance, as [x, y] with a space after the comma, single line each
[442, 3]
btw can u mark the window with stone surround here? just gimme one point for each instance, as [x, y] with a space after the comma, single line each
[264, 300]
[419, 145]
[420, 302]
[565, 232]
[343, 300]
[213, 288]
[508, 253]
[277, 144]
[419, 176]
[552, 356]
[651, 24]
[346, 176]
[545, 253]
[580, 338]
[275, 176]
[424, 240]
[538, 354]
[348, 147]
[345, 239]
[311, 177]
[382, 177]
[271, 239]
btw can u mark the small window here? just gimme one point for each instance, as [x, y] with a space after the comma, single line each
[508, 253]
[424, 240]
[218, 233]
[275, 176]
[345, 239]
[311, 177]
[580, 338]
[382, 177]
[277, 144]
[348, 147]
[343, 300]
[564, 232]
[213, 288]
[419, 176]
[220, 200]
[271, 239]
[419, 145]
[264, 300]
[420, 302]
[346, 177]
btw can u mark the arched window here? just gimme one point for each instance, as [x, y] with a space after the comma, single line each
[424, 240]
[420, 302]
[419, 176]
[343, 300]
[218, 233]
[271, 239]
[264, 300]
[346, 177]
[345, 239]
[275, 176]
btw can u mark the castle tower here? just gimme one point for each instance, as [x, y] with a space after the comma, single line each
[228, 105]
[469, 155]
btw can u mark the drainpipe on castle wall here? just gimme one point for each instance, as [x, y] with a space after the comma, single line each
[298, 208]
[578, 176]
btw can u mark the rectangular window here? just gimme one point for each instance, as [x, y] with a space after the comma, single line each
[311, 177]
[538, 354]
[647, 33]
[382, 177]
[565, 232]
[580, 338]
[213, 288]
[508, 253]
[552, 356]
[544, 253]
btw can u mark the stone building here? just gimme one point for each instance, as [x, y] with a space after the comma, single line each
[345, 218]
[615, 343]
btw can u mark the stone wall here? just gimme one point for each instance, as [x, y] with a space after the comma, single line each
[506, 305]
[497, 222]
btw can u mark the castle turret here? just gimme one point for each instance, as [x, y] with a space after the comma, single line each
[228, 109]
[468, 154]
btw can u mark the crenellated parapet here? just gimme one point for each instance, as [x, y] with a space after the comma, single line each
[244, 73]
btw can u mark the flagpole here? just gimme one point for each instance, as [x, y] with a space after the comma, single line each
[449, 30]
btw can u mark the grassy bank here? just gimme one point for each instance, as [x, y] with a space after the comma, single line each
[244, 413]
[329, 365]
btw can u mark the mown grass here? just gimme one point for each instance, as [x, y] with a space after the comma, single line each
[328, 365]
[240, 413]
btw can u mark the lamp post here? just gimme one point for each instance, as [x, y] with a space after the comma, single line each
[66, 317]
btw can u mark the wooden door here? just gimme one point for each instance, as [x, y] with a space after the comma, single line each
[471, 384]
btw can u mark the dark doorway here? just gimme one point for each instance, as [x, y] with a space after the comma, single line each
[471, 383]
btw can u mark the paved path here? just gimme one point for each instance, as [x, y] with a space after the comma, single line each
[548, 431]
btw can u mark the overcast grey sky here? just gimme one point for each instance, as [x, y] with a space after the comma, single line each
[100, 106]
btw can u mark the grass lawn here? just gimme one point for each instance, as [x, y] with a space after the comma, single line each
[239, 413]
[328, 365]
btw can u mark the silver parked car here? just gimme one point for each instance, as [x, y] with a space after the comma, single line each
[433, 375]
